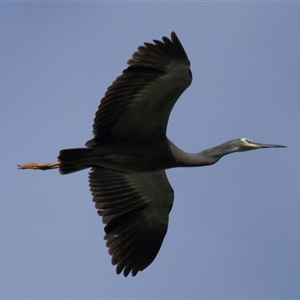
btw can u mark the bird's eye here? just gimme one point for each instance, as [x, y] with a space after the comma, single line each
[246, 140]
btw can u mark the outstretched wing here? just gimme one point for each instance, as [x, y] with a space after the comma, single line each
[138, 103]
[135, 208]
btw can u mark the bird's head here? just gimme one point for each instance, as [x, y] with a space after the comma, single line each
[246, 144]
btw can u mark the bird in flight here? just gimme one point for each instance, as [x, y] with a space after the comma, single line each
[130, 152]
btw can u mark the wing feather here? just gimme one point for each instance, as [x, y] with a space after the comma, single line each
[138, 103]
[135, 208]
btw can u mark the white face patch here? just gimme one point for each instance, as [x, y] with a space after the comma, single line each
[247, 141]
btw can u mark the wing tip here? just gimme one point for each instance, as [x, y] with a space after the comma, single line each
[159, 53]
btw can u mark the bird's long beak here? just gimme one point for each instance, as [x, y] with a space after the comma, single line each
[260, 146]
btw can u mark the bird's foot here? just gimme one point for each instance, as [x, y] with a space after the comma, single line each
[39, 166]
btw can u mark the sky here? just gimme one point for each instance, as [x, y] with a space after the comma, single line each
[234, 227]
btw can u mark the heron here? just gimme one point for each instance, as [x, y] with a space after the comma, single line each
[130, 152]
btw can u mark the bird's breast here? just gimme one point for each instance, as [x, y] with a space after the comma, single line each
[132, 156]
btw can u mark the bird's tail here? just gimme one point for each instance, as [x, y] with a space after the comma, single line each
[73, 160]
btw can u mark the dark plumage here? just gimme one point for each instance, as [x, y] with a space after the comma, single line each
[130, 152]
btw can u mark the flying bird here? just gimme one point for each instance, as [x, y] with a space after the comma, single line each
[130, 152]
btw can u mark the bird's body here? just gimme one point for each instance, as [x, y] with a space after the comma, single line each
[130, 153]
[123, 156]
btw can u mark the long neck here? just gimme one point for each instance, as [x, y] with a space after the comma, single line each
[203, 158]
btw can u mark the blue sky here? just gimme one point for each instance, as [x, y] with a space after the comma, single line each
[234, 227]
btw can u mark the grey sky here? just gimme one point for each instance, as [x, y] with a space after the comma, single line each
[234, 227]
